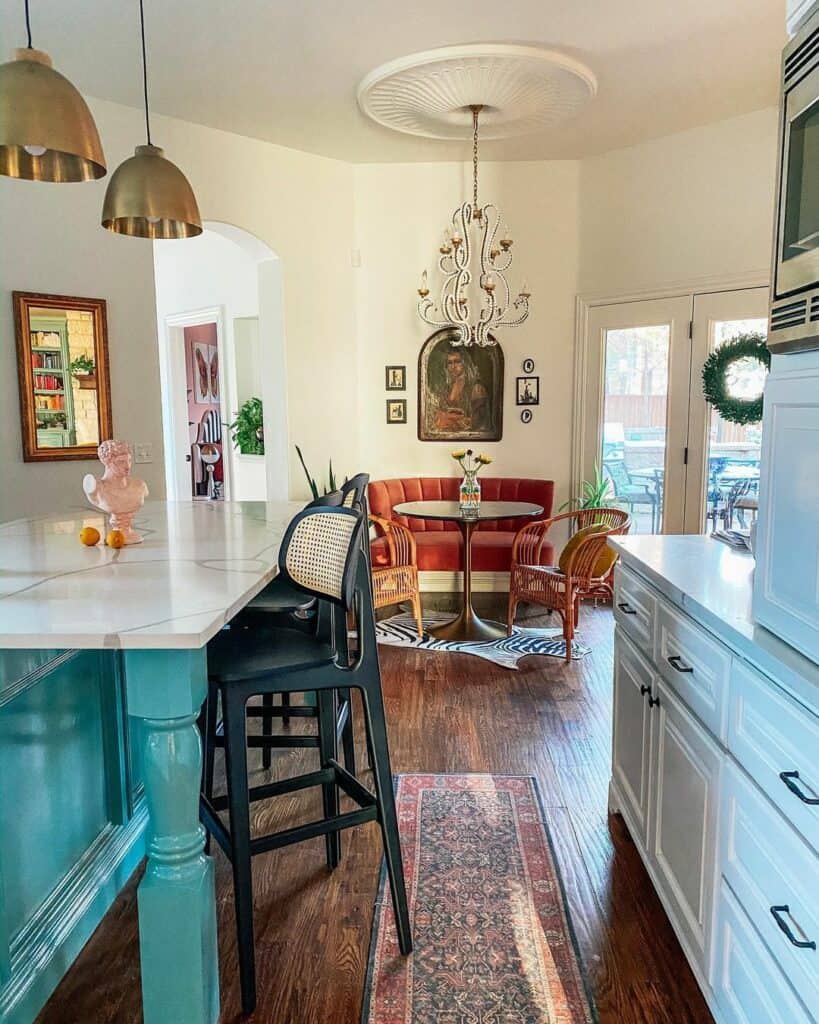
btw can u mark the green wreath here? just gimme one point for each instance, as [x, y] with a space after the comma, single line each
[714, 378]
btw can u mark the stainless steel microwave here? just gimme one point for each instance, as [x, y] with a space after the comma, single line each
[794, 324]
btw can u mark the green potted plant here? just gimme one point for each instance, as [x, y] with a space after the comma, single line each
[594, 493]
[332, 483]
[247, 429]
[84, 371]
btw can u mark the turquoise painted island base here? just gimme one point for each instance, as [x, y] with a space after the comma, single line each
[99, 752]
[72, 814]
[177, 906]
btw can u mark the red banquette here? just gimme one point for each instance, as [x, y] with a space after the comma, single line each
[438, 543]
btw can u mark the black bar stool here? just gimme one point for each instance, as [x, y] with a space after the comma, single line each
[322, 556]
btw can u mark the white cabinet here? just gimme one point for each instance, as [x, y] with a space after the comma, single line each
[631, 739]
[683, 821]
[786, 578]
[715, 769]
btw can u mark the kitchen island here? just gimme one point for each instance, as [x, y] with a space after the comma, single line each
[102, 676]
[715, 771]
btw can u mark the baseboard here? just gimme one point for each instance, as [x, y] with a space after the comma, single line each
[45, 948]
[452, 582]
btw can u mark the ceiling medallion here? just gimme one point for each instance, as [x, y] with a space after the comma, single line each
[510, 90]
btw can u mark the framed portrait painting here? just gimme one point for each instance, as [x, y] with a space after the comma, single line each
[460, 390]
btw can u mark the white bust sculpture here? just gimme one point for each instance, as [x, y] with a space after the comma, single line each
[116, 492]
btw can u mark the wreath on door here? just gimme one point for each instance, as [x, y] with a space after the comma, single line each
[719, 375]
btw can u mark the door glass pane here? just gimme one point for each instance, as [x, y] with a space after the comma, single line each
[733, 450]
[635, 407]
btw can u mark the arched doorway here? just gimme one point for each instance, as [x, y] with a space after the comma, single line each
[221, 337]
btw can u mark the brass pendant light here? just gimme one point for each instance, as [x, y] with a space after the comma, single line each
[148, 196]
[47, 132]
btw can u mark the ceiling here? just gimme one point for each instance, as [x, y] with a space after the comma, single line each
[287, 70]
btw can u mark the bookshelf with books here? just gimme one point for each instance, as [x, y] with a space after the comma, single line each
[51, 383]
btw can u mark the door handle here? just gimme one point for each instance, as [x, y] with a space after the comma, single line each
[644, 690]
[626, 608]
[676, 662]
[785, 928]
[789, 778]
[653, 702]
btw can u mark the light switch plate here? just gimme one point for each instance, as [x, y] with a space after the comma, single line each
[143, 453]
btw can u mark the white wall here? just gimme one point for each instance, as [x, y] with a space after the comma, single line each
[401, 211]
[298, 204]
[52, 242]
[696, 204]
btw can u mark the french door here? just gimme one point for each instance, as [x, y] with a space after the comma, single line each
[665, 454]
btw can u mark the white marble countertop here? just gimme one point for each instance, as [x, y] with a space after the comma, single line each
[714, 583]
[199, 564]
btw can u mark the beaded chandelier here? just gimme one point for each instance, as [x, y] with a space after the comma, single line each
[475, 298]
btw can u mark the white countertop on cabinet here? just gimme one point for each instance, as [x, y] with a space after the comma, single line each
[713, 583]
[200, 562]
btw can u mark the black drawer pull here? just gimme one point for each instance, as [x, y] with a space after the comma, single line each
[789, 779]
[653, 702]
[644, 690]
[676, 662]
[626, 608]
[784, 926]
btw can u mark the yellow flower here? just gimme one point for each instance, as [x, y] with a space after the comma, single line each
[484, 460]
[459, 454]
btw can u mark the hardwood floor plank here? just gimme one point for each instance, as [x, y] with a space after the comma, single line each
[446, 713]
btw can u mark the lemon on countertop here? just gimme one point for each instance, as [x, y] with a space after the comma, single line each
[89, 536]
[115, 539]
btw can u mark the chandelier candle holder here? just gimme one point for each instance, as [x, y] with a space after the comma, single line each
[475, 254]
[470, 489]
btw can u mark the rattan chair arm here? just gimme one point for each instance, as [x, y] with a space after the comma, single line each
[400, 541]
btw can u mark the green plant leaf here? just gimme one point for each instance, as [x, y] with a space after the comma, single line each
[246, 427]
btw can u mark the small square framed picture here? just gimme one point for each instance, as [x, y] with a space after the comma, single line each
[396, 410]
[528, 391]
[396, 378]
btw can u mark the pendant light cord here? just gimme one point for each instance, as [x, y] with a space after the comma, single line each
[28, 26]
[144, 70]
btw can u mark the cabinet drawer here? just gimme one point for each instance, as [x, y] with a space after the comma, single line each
[747, 982]
[635, 608]
[695, 665]
[776, 740]
[773, 874]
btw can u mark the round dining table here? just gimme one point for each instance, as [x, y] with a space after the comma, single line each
[467, 625]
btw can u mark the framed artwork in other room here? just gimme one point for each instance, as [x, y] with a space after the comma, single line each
[460, 390]
[396, 378]
[396, 410]
[528, 366]
[528, 390]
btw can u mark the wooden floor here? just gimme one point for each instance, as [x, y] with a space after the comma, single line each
[446, 713]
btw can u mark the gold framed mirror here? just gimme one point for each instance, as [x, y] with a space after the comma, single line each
[62, 368]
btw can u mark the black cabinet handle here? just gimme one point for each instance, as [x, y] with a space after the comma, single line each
[784, 926]
[644, 690]
[789, 779]
[676, 662]
[653, 702]
[626, 608]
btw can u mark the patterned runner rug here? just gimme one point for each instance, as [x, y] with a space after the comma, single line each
[400, 631]
[492, 940]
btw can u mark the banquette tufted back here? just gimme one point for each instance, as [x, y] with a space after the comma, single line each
[384, 495]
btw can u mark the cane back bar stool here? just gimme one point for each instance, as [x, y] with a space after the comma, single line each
[557, 589]
[398, 580]
[322, 556]
[279, 599]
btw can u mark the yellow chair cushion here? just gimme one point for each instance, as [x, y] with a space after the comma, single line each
[605, 560]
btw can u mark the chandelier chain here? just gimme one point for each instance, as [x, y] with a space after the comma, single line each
[475, 112]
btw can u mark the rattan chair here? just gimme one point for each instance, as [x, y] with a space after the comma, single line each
[322, 556]
[397, 581]
[547, 585]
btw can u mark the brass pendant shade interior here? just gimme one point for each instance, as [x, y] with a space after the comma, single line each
[149, 197]
[47, 132]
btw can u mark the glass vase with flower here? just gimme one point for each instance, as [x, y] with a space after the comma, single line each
[470, 489]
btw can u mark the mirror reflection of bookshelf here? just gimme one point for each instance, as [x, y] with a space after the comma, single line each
[51, 383]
